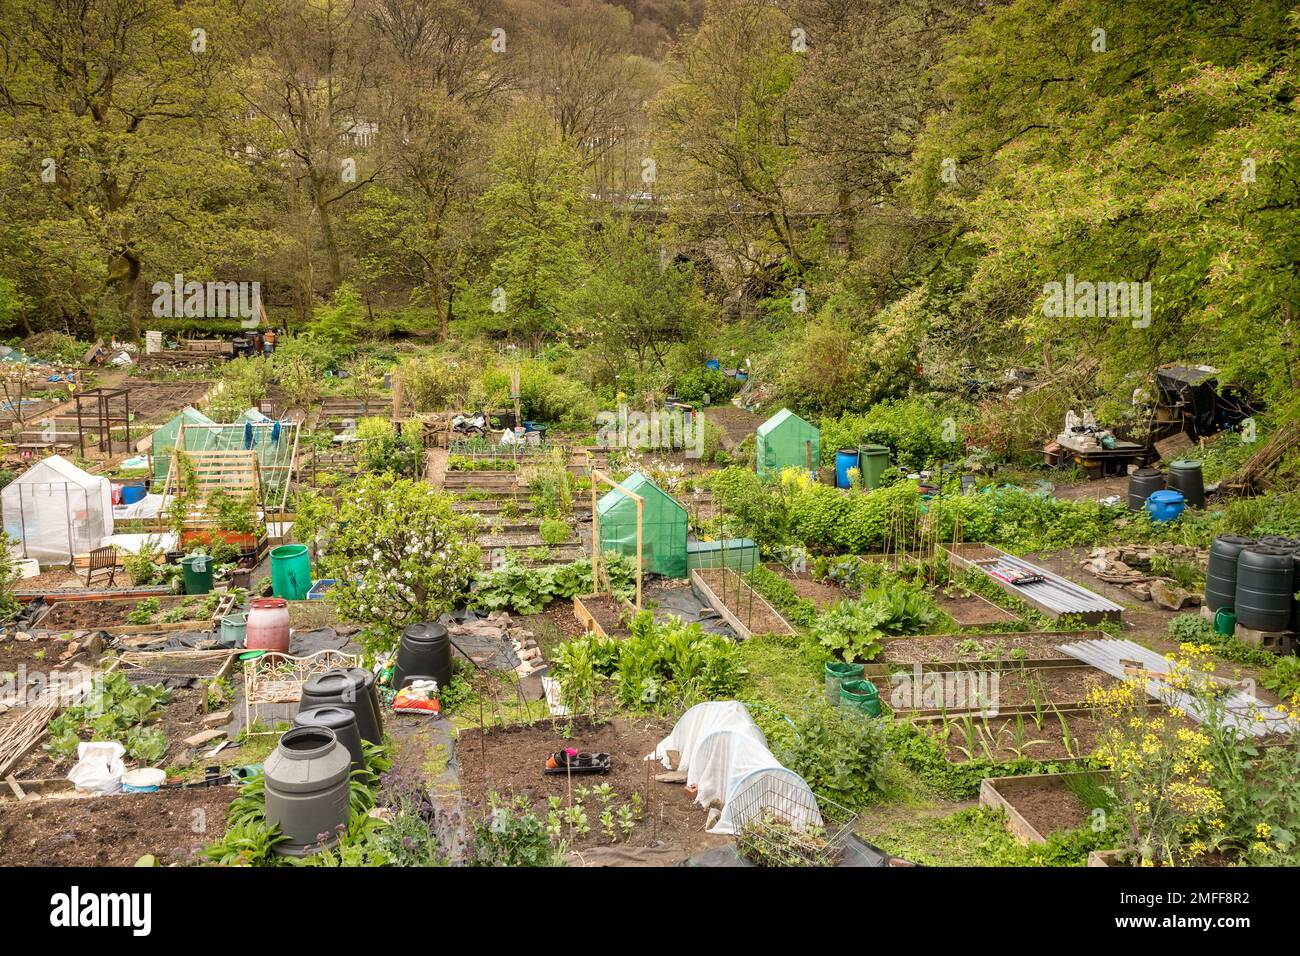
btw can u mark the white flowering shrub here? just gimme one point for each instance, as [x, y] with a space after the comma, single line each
[397, 551]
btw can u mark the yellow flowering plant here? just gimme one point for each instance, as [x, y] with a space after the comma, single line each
[1170, 811]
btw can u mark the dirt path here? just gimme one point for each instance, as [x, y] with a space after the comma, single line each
[435, 465]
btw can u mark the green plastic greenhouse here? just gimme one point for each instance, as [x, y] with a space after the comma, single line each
[663, 526]
[783, 442]
[164, 439]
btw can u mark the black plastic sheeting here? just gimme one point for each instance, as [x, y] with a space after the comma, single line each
[301, 643]
[684, 603]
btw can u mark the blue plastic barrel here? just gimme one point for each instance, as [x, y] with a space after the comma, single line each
[1165, 505]
[132, 493]
[846, 459]
[713, 364]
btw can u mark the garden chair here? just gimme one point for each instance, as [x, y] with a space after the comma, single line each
[102, 561]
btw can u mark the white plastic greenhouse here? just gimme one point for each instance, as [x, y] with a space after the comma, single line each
[55, 511]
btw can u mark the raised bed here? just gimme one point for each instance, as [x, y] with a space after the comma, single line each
[969, 609]
[747, 611]
[823, 594]
[991, 650]
[1006, 690]
[1011, 732]
[556, 554]
[1038, 805]
[602, 614]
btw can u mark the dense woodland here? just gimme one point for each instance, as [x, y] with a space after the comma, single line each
[865, 199]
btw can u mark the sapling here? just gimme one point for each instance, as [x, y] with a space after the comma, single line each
[626, 819]
[607, 824]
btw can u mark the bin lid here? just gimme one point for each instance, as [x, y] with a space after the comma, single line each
[1165, 497]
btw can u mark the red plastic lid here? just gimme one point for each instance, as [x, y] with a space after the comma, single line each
[270, 602]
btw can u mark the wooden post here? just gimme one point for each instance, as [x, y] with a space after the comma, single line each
[640, 515]
[595, 535]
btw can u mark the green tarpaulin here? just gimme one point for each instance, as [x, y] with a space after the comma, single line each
[782, 442]
[663, 526]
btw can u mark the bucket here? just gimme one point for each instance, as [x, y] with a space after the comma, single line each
[846, 459]
[133, 493]
[197, 571]
[1165, 505]
[836, 674]
[290, 572]
[1225, 621]
[143, 780]
[232, 629]
[860, 695]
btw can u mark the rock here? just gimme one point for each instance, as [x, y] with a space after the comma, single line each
[218, 718]
[69, 651]
[1168, 596]
[1141, 590]
[202, 737]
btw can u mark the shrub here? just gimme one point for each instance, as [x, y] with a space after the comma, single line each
[691, 385]
[555, 531]
[912, 431]
[397, 550]
[842, 753]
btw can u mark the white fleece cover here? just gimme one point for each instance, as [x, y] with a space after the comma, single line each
[722, 758]
[697, 723]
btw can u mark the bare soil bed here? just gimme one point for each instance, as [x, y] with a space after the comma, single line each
[970, 610]
[608, 612]
[39, 654]
[990, 647]
[1050, 807]
[114, 830]
[89, 615]
[509, 762]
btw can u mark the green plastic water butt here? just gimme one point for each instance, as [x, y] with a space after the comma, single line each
[784, 441]
[290, 572]
[663, 526]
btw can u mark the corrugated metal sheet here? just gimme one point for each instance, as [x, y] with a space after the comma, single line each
[1242, 708]
[1055, 595]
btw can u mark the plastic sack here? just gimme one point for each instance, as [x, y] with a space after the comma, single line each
[418, 697]
[99, 767]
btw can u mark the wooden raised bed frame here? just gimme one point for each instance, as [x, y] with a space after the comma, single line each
[1000, 792]
[711, 596]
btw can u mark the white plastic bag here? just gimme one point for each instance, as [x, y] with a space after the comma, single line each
[99, 767]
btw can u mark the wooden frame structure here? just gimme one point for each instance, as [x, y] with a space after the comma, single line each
[239, 471]
[601, 477]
